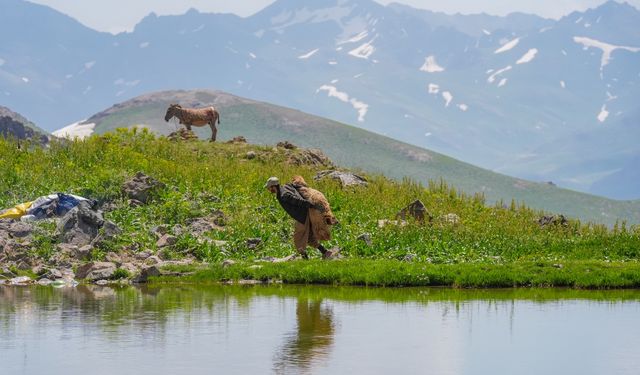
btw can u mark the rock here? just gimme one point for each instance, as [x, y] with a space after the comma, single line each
[53, 274]
[146, 273]
[311, 157]
[153, 260]
[384, 222]
[44, 282]
[252, 243]
[16, 229]
[21, 280]
[451, 219]
[345, 178]
[417, 210]
[409, 258]
[160, 230]
[141, 187]
[143, 255]
[332, 254]
[366, 238]
[182, 134]
[80, 226]
[96, 270]
[228, 263]
[109, 231]
[84, 252]
[251, 155]
[166, 240]
[131, 268]
[287, 145]
[553, 220]
[178, 230]
[250, 282]
[102, 282]
[113, 258]
[237, 140]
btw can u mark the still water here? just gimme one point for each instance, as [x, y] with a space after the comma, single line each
[316, 330]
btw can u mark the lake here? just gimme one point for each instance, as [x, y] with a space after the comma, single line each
[216, 329]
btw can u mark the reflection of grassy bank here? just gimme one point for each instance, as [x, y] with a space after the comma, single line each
[573, 274]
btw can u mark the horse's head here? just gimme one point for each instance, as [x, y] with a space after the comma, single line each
[171, 111]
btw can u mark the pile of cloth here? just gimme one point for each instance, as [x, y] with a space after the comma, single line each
[45, 207]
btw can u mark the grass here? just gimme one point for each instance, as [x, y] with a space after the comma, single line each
[492, 245]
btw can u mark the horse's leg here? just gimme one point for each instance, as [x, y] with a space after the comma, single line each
[214, 131]
[188, 126]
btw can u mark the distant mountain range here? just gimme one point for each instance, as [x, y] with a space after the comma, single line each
[263, 123]
[540, 99]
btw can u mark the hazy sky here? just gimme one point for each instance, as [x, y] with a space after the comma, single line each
[121, 15]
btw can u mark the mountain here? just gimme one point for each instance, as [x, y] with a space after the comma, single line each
[545, 100]
[14, 125]
[264, 123]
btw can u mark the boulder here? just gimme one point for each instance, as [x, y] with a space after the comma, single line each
[252, 243]
[251, 155]
[237, 140]
[228, 263]
[141, 187]
[182, 134]
[312, 157]
[417, 210]
[345, 178]
[166, 240]
[553, 220]
[96, 271]
[366, 238]
[146, 273]
[15, 229]
[80, 226]
[287, 145]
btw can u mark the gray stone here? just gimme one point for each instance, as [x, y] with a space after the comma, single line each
[366, 238]
[96, 270]
[53, 274]
[21, 280]
[160, 230]
[143, 255]
[84, 252]
[102, 282]
[80, 225]
[153, 260]
[345, 178]
[148, 272]
[251, 155]
[252, 243]
[44, 282]
[131, 268]
[141, 187]
[166, 240]
[16, 229]
[113, 258]
[228, 263]
[417, 210]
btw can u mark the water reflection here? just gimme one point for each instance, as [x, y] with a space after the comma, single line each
[311, 341]
[321, 330]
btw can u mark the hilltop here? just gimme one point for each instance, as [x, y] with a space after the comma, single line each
[349, 146]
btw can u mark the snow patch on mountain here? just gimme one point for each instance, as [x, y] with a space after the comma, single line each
[463, 107]
[607, 49]
[144, 44]
[25, 79]
[78, 130]
[502, 82]
[431, 66]
[486, 32]
[308, 54]
[364, 51]
[508, 46]
[433, 88]
[448, 97]
[492, 77]
[361, 107]
[528, 57]
[355, 38]
[602, 116]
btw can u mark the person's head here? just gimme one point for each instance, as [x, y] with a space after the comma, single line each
[272, 184]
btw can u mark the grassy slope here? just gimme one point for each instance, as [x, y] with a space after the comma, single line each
[491, 246]
[349, 146]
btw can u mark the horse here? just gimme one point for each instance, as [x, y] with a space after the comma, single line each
[195, 117]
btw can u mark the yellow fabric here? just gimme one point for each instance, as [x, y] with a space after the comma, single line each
[17, 212]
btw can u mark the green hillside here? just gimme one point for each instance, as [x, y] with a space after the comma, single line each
[221, 184]
[352, 147]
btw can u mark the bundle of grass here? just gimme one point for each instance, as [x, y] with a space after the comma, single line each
[320, 221]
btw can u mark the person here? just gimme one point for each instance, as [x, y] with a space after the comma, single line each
[298, 208]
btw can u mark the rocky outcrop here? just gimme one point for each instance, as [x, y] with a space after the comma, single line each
[13, 125]
[312, 157]
[345, 178]
[417, 210]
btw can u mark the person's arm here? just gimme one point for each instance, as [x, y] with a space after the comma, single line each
[295, 199]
